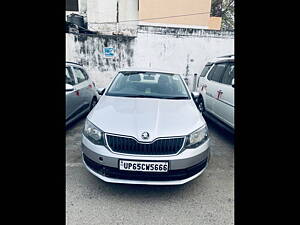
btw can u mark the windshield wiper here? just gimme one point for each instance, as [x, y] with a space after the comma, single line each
[138, 96]
[175, 97]
[151, 96]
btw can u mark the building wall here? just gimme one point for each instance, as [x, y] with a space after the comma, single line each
[128, 10]
[214, 23]
[159, 8]
[88, 50]
[82, 7]
[101, 11]
[184, 51]
[102, 15]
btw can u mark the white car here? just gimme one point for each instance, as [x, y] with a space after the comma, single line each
[216, 88]
[146, 129]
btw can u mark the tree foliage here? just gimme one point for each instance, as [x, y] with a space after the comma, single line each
[224, 9]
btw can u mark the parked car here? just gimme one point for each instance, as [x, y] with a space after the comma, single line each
[81, 93]
[146, 129]
[216, 87]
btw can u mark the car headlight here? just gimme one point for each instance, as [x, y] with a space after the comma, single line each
[196, 138]
[94, 134]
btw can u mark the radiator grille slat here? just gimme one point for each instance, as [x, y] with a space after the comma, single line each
[127, 145]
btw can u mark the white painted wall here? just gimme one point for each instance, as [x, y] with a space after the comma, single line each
[101, 11]
[183, 55]
[82, 6]
[128, 10]
[178, 52]
[171, 53]
[105, 11]
[88, 50]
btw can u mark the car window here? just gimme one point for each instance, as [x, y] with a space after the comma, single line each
[211, 72]
[218, 72]
[84, 73]
[79, 74]
[69, 76]
[148, 85]
[228, 74]
[203, 73]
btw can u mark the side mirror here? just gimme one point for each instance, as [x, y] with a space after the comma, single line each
[232, 82]
[195, 96]
[101, 91]
[69, 87]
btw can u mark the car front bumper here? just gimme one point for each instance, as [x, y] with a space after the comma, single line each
[183, 167]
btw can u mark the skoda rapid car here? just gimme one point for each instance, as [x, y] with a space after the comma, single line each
[146, 129]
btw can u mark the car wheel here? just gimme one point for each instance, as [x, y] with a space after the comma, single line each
[201, 104]
[93, 103]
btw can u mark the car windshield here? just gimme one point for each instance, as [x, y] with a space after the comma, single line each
[148, 85]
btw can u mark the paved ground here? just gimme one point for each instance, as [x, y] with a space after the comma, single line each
[206, 200]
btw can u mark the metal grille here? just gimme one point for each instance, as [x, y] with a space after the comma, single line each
[131, 146]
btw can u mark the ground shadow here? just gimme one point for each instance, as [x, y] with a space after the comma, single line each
[75, 123]
[220, 131]
[142, 192]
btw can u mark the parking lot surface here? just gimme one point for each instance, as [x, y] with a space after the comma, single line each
[209, 199]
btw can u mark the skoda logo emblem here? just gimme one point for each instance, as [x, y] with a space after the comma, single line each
[145, 135]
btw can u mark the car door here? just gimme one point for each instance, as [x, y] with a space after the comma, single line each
[90, 87]
[224, 107]
[201, 83]
[213, 85]
[72, 99]
[82, 88]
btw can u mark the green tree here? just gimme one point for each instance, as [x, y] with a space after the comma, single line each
[224, 9]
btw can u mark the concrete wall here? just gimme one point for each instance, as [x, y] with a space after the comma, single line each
[101, 11]
[102, 15]
[88, 50]
[182, 50]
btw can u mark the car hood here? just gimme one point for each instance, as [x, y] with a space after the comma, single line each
[158, 117]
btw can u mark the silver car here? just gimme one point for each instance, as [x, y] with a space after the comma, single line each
[146, 129]
[81, 93]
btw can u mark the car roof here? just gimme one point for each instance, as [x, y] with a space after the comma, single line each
[136, 69]
[73, 63]
[220, 59]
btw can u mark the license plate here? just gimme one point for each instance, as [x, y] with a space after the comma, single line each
[143, 166]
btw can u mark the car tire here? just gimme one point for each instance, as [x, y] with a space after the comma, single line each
[201, 104]
[93, 103]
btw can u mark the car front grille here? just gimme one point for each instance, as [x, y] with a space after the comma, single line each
[127, 145]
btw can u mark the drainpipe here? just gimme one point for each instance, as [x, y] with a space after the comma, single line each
[194, 82]
[117, 47]
[117, 11]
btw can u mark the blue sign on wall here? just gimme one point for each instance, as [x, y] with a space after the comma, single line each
[109, 52]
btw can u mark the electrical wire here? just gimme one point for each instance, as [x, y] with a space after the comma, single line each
[156, 18]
